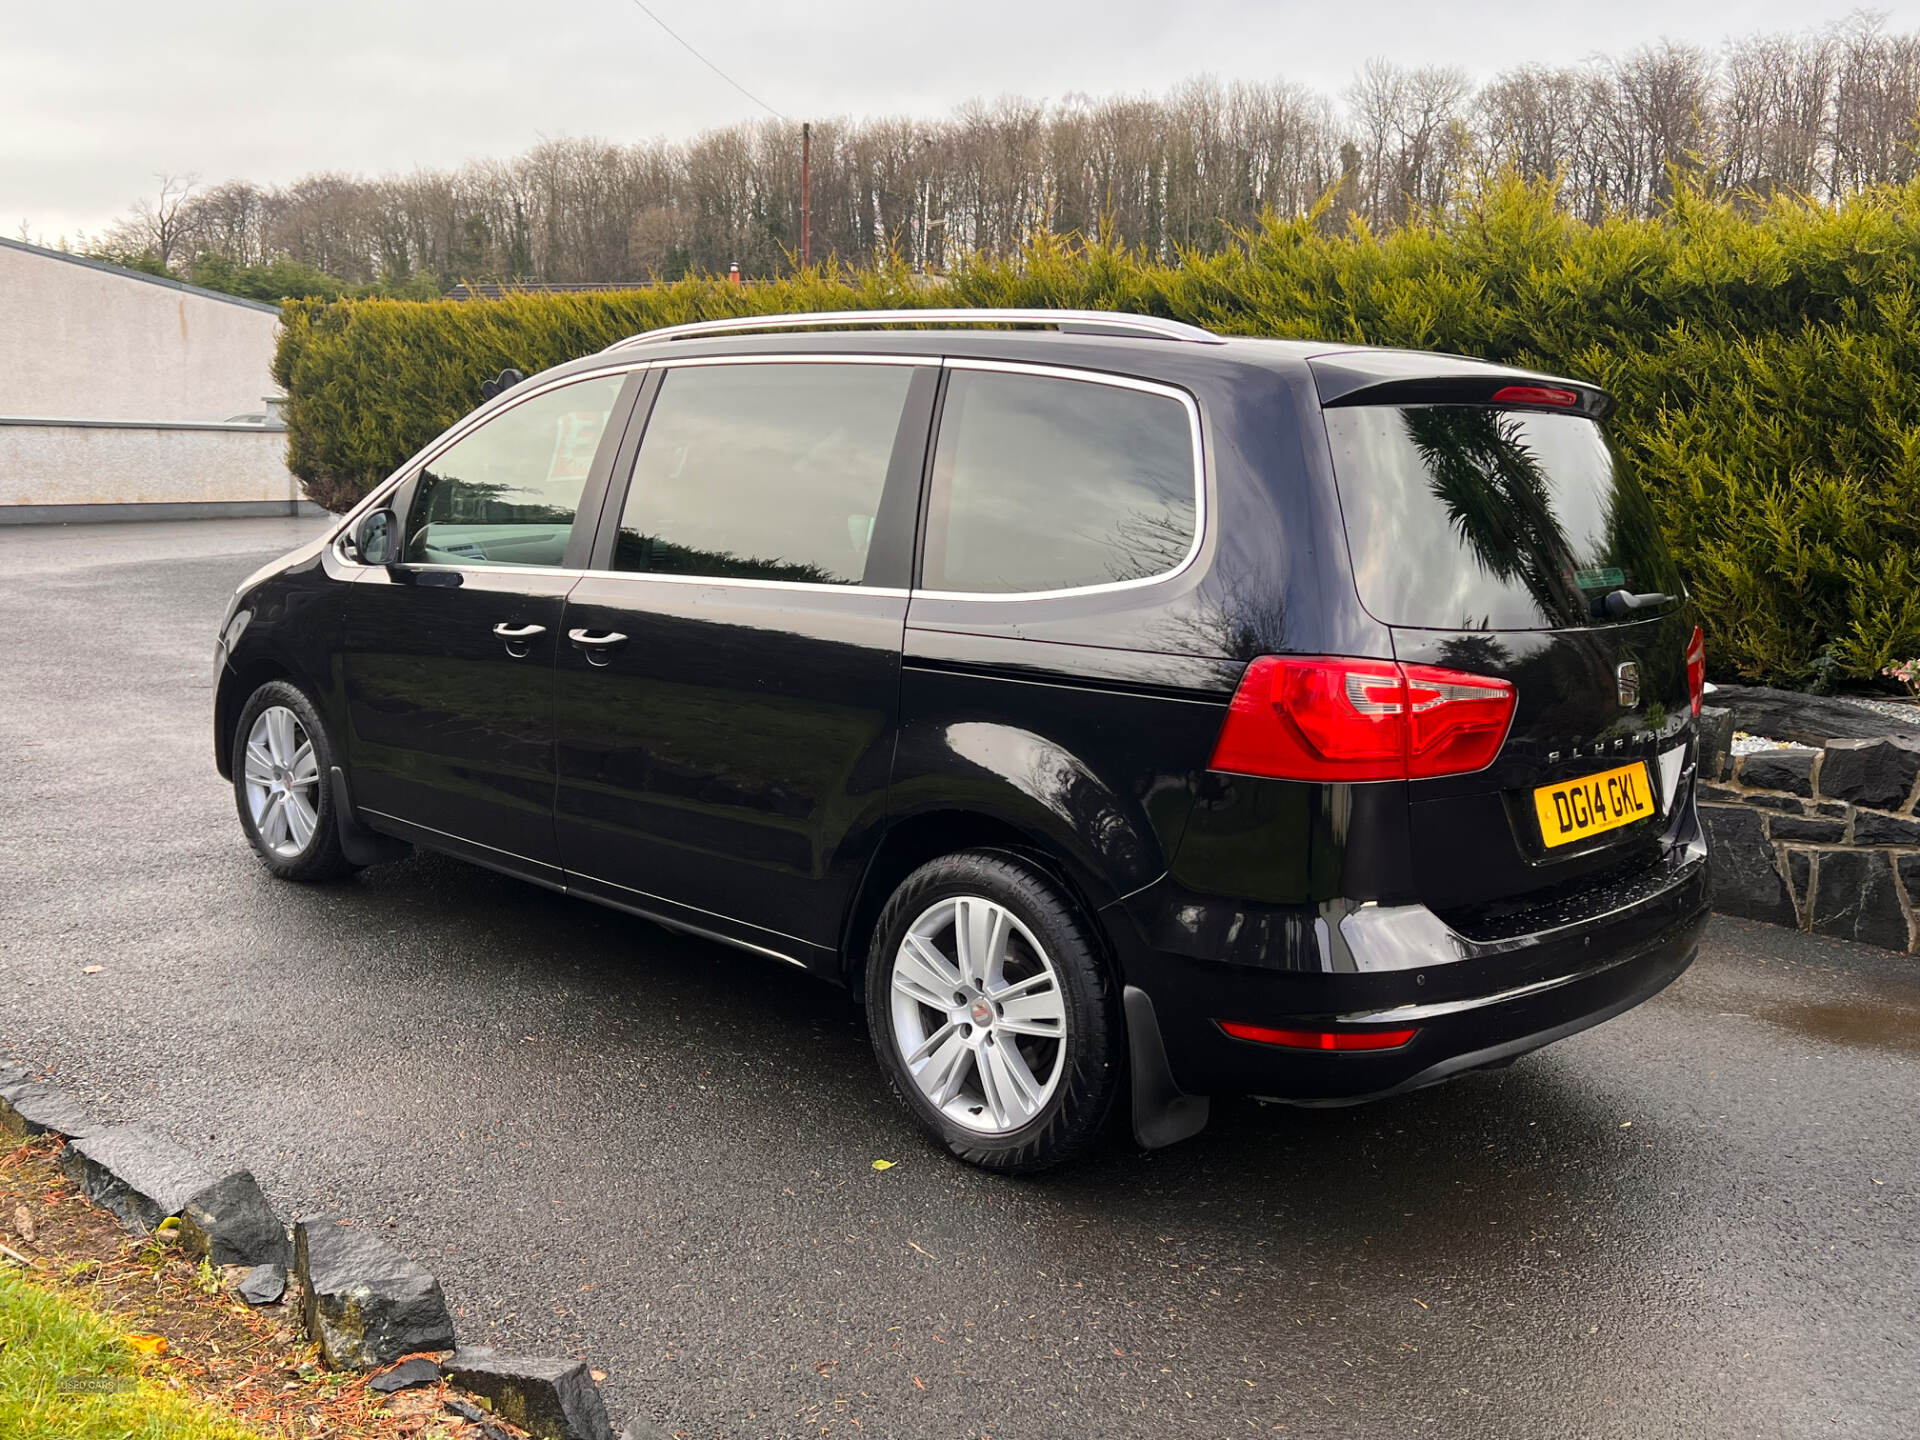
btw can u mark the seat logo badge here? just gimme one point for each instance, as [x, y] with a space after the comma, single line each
[1628, 676]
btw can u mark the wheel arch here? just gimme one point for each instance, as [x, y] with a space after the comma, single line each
[912, 840]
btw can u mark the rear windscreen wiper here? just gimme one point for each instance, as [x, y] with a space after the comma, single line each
[1618, 604]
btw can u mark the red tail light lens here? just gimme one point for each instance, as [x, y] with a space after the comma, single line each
[1536, 395]
[1300, 718]
[1697, 668]
[1319, 1039]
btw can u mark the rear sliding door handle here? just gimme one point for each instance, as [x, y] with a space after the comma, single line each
[519, 638]
[597, 648]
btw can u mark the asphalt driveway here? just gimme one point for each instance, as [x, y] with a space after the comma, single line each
[610, 1141]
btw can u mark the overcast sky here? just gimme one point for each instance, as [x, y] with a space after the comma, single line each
[97, 98]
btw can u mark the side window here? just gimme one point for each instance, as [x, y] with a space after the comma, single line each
[506, 493]
[1043, 483]
[766, 472]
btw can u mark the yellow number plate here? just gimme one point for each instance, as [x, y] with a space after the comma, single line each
[1575, 809]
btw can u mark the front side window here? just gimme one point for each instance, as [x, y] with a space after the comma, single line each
[1043, 483]
[507, 492]
[763, 472]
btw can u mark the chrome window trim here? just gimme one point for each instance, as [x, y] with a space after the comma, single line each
[824, 358]
[450, 437]
[748, 582]
[1123, 382]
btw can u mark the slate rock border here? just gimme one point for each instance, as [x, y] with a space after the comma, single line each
[366, 1303]
[553, 1399]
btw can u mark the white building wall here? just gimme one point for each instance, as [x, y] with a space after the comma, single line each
[119, 464]
[78, 341]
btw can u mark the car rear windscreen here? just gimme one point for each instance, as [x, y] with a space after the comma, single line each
[1469, 517]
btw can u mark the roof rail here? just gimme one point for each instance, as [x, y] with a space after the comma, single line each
[1067, 322]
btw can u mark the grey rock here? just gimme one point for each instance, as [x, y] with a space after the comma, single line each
[366, 1303]
[140, 1177]
[263, 1285]
[1872, 828]
[1808, 719]
[410, 1376]
[1716, 742]
[1797, 827]
[1746, 879]
[33, 1107]
[11, 1074]
[639, 1429]
[231, 1223]
[1799, 872]
[1854, 899]
[1779, 770]
[1876, 773]
[553, 1399]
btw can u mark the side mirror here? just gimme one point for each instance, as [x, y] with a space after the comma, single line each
[374, 537]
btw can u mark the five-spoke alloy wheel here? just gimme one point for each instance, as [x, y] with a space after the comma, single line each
[992, 1012]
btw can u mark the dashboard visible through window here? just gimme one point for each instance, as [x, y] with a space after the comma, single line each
[506, 492]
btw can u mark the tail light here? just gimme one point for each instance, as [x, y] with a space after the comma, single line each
[1696, 668]
[1319, 1039]
[1331, 719]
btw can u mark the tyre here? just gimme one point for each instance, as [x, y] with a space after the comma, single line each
[992, 1014]
[282, 764]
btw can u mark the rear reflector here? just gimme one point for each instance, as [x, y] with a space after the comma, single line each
[1536, 395]
[1320, 718]
[1319, 1039]
[1697, 668]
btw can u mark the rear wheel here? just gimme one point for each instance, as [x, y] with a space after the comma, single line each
[991, 1012]
[282, 764]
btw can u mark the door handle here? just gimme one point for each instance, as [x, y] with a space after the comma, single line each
[597, 648]
[518, 638]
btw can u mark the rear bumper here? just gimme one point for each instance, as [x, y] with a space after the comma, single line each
[1471, 1002]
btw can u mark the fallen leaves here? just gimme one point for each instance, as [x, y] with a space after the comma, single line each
[884, 1164]
[91, 969]
[147, 1344]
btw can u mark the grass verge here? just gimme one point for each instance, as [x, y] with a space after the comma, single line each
[80, 1299]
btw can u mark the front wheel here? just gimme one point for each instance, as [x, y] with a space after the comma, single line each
[992, 1014]
[282, 765]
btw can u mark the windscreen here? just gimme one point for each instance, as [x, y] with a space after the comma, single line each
[1469, 517]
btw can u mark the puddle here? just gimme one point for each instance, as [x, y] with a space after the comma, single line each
[1879, 1027]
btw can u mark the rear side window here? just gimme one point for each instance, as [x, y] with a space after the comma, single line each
[1043, 483]
[506, 492]
[763, 472]
[1467, 517]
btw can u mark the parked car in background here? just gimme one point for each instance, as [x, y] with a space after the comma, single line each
[1126, 713]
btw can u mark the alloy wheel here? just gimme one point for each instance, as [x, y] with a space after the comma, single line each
[978, 1014]
[282, 782]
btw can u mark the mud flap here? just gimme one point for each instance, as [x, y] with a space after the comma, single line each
[1162, 1112]
[360, 845]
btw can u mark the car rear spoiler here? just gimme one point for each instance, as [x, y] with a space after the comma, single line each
[1396, 377]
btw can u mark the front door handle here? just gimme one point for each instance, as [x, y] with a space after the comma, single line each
[597, 648]
[519, 638]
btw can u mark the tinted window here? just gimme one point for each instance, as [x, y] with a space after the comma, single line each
[506, 493]
[766, 472]
[1464, 517]
[1049, 484]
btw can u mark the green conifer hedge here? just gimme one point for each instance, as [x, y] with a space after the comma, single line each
[1765, 360]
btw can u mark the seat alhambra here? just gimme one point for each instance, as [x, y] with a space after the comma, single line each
[1124, 713]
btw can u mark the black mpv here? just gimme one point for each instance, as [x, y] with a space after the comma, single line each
[1113, 705]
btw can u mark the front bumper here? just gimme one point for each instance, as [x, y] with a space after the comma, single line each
[1472, 999]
